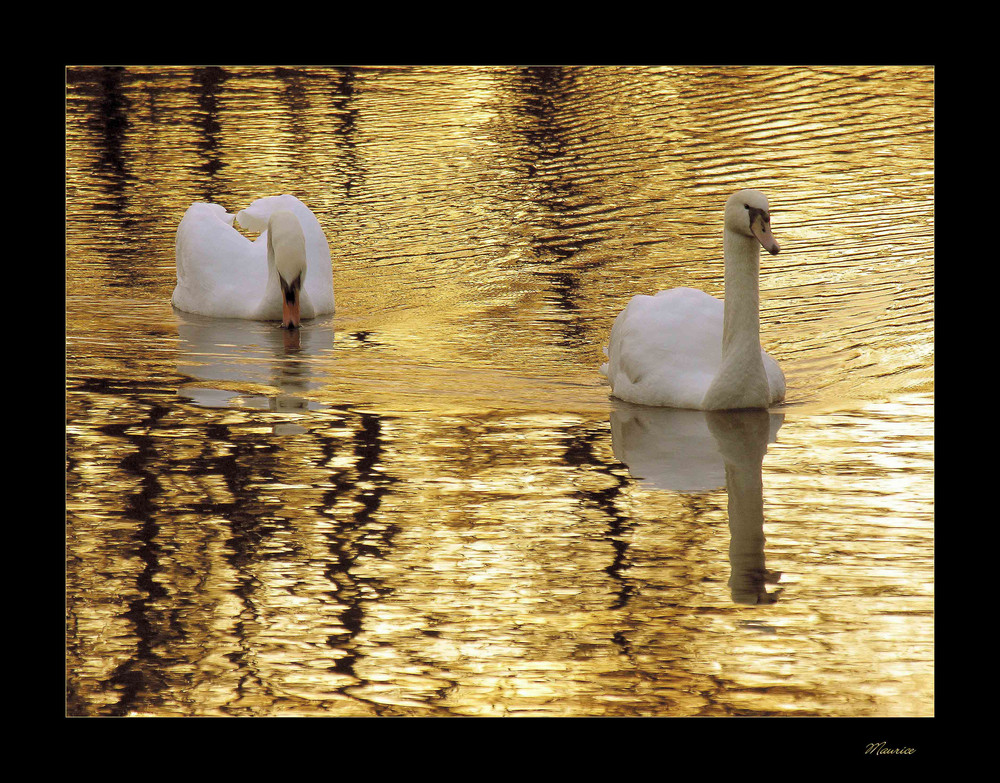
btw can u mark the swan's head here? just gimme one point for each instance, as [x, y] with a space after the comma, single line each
[288, 246]
[748, 214]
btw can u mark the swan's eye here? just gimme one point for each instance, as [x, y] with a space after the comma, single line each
[746, 206]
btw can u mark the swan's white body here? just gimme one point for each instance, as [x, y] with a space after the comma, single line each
[221, 273]
[683, 348]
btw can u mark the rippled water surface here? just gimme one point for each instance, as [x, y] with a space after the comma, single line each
[428, 504]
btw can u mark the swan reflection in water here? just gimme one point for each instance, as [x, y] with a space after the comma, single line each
[229, 360]
[700, 451]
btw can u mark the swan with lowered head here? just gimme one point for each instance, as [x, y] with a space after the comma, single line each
[683, 348]
[285, 274]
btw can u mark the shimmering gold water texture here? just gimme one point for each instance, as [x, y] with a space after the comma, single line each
[427, 504]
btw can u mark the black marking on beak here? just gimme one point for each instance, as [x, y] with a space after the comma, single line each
[290, 290]
[290, 293]
[760, 227]
[758, 214]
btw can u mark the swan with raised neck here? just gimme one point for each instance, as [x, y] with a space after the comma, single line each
[683, 348]
[742, 380]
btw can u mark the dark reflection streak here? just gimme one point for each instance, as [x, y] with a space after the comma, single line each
[344, 124]
[545, 92]
[110, 122]
[76, 696]
[208, 83]
[296, 104]
[343, 101]
[359, 537]
[247, 531]
[368, 447]
[565, 286]
[343, 589]
[152, 95]
[541, 91]
[580, 451]
[140, 678]
[250, 461]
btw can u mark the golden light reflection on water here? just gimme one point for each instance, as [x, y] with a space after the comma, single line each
[427, 505]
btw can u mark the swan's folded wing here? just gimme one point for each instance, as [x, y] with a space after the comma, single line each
[219, 271]
[665, 349]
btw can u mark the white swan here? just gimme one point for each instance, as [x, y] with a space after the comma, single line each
[685, 349]
[285, 274]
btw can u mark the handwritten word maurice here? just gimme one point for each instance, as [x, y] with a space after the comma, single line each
[879, 748]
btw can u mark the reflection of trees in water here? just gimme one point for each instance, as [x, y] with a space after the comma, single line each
[138, 677]
[192, 475]
[541, 116]
[183, 481]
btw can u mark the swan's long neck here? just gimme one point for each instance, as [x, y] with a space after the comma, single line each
[270, 305]
[741, 322]
[741, 381]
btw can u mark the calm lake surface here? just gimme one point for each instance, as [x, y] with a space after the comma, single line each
[428, 504]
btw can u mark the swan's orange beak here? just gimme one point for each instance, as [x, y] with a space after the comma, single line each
[290, 314]
[290, 304]
[761, 227]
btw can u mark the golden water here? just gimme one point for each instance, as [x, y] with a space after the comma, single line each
[427, 504]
